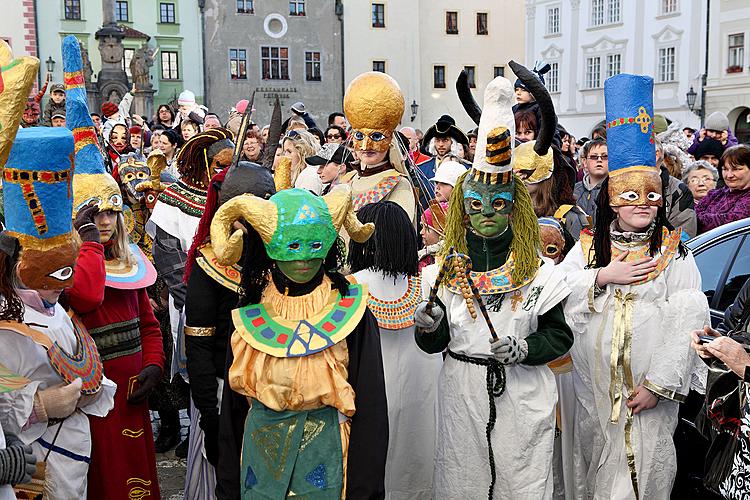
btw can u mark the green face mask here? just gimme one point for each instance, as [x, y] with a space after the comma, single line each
[488, 206]
[300, 271]
[304, 229]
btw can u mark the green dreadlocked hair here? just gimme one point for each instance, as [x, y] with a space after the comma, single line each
[526, 244]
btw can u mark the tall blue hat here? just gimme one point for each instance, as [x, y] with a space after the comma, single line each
[633, 176]
[37, 190]
[92, 182]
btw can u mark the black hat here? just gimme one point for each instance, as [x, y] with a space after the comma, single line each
[330, 153]
[445, 127]
[708, 146]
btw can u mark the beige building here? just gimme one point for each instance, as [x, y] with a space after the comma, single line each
[728, 82]
[424, 45]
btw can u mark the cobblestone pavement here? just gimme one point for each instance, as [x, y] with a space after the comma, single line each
[171, 470]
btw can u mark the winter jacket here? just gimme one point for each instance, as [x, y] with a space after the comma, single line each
[731, 141]
[722, 206]
[680, 204]
[50, 109]
[586, 195]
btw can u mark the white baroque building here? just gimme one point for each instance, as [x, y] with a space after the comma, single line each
[424, 45]
[587, 41]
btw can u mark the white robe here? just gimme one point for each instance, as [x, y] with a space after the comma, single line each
[411, 377]
[65, 477]
[524, 432]
[664, 312]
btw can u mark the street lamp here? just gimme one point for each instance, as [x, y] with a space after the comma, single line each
[414, 109]
[690, 96]
[50, 64]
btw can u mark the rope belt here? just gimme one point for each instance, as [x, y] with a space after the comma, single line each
[495, 389]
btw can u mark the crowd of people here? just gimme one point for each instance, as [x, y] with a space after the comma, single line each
[363, 310]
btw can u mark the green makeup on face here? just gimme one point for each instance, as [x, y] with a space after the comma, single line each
[488, 206]
[300, 271]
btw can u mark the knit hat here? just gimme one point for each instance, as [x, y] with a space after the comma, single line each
[135, 130]
[109, 109]
[57, 87]
[448, 172]
[241, 106]
[708, 146]
[717, 121]
[660, 124]
[60, 113]
[540, 69]
[186, 98]
[298, 108]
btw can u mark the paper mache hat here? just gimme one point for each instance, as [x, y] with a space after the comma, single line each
[17, 76]
[92, 183]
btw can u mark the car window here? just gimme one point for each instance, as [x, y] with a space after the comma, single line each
[712, 262]
[737, 276]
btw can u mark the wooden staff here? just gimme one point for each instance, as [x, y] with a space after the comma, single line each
[441, 273]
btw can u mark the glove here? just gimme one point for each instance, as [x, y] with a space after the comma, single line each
[17, 462]
[210, 426]
[85, 225]
[509, 350]
[148, 379]
[57, 402]
[428, 322]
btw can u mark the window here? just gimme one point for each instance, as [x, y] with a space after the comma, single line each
[126, 58]
[593, 72]
[553, 77]
[737, 51]
[605, 12]
[613, 11]
[613, 64]
[438, 77]
[451, 23]
[712, 262]
[666, 71]
[471, 72]
[553, 20]
[312, 66]
[166, 12]
[499, 71]
[245, 7]
[169, 66]
[482, 26]
[378, 15]
[378, 66]
[597, 12]
[237, 64]
[669, 6]
[73, 9]
[121, 11]
[275, 63]
[296, 7]
[738, 274]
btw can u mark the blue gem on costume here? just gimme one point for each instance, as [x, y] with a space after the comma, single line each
[338, 315]
[251, 313]
[352, 292]
[268, 333]
[306, 215]
[250, 479]
[317, 477]
[500, 281]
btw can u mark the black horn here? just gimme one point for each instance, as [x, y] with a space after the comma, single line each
[466, 97]
[274, 135]
[547, 109]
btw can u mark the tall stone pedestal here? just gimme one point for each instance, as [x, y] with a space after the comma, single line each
[143, 103]
[112, 81]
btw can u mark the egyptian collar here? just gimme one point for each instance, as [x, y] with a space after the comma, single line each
[229, 277]
[379, 192]
[397, 314]
[138, 274]
[494, 281]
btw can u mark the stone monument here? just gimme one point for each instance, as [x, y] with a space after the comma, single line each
[112, 81]
[140, 69]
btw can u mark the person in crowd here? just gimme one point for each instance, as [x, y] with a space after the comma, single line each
[58, 119]
[472, 135]
[118, 144]
[115, 114]
[168, 143]
[689, 133]
[441, 141]
[432, 231]
[31, 114]
[264, 134]
[731, 202]
[716, 127]
[393, 282]
[380, 171]
[40, 249]
[188, 109]
[679, 201]
[709, 150]
[415, 153]
[296, 123]
[321, 368]
[337, 119]
[335, 134]
[446, 176]
[137, 137]
[599, 132]
[332, 162]
[55, 104]
[595, 161]
[299, 111]
[165, 117]
[188, 129]
[318, 134]
[211, 121]
[636, 296]
[700, 177]
[298, 145]
[109, 296]
[496, 398]
[252, 149]
[526, 125]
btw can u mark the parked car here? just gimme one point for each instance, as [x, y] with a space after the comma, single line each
[723, 258]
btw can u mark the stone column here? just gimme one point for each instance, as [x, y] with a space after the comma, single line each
[574, 54]
[143, 103]
[108, 12]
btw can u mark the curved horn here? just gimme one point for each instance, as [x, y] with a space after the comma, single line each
[549, 118]
[274, 135]
[339, 202]
[227, 241]
[466, 97]
[157, 163]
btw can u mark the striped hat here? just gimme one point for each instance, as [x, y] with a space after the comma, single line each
[492, 163]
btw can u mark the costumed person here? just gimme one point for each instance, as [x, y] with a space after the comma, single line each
[213, 291]
[374, 105]
[496, 396]
[40, 341]
[543, 169]
[173, 225]
[442, 141]
[387, 264]
[109, 295]
[17, 459]
[306, 351]
[432, 232]
[636, 297]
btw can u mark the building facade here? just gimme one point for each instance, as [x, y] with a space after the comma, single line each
[424, 45]
[173, 27]
[18, 27]
[728, 78]
[587, 41]
[290, 49]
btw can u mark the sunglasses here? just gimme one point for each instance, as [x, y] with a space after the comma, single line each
[333, 136]
[292, 134]
[598, 157]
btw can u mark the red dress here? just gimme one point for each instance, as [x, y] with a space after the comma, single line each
[122, 322]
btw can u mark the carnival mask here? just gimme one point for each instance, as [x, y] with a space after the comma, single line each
[118, 137]
[48, 269]
[635, 186]
[553, 242]
[367, 139]
[374, 106]
[101, 189]
[488, 206]
[133, 172]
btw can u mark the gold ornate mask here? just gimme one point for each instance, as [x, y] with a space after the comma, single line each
[374, 105]
[531, 167]
[368, 139]
[635, 186]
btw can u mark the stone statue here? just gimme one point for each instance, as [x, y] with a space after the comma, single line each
[143, 59]
[88, 71]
